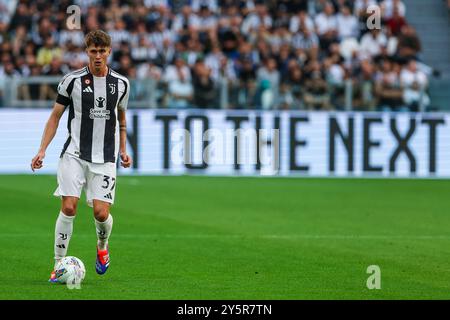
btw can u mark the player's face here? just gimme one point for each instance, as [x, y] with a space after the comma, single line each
[98, 56]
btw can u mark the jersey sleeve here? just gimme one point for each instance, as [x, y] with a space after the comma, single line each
[123, 102]
[63, 97]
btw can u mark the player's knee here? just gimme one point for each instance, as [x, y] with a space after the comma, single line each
[69, 209]
[101, 214]
[69, 206]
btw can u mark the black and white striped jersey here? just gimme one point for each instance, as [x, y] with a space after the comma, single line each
[93, 113]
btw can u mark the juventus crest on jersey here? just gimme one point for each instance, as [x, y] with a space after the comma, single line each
[93, 119]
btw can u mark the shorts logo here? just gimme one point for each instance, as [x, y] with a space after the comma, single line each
[108, 196]
[87, 81]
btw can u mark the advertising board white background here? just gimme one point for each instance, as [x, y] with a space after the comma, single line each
[310, 144]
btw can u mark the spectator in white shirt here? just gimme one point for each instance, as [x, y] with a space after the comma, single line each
[326, 26]
[148, 70]
[207, 21]
[387, 8]
[335, 73]
[255, 19]
[412, 77]
[221, 67]
[159, 35]
[326, 21]
[211, 4]
[299, 20]
[347, 24]
[119, 34]
[179, 81]
[373, 43]
[414, 83]
[7, 8]
[268, 78]
[185, 21]
[74, 36]
[143, 51]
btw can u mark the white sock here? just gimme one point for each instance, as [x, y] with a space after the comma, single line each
[63, 232]
[103, 231]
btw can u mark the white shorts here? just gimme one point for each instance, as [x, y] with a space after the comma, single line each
[98, 179]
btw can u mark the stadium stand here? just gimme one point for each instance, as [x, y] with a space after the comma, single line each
[298, 55]
[426, 17]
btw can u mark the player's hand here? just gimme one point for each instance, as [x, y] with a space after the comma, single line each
[36, 162]
[126, 160]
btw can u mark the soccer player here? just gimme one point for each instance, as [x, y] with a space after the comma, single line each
[96, 98]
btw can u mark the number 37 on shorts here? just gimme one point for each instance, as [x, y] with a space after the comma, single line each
[97, 179]
[108, 184]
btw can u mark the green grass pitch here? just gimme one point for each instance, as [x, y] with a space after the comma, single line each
[236, 238]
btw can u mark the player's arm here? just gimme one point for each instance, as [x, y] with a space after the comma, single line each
[122, 107]
[48, 135]
[126, 159]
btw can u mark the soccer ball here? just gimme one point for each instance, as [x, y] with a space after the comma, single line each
[70, 270]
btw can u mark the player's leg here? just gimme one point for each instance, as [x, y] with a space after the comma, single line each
[103, 225]
[100, 192]
[64, 226]
[63, 230]
[70, 184]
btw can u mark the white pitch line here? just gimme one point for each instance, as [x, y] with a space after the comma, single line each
[288, 237]
[243, 236]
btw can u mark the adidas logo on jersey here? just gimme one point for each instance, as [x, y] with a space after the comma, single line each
[88, 89]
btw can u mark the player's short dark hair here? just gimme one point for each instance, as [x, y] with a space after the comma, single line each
[97, 38]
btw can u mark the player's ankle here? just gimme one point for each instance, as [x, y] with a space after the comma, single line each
[57, 260]
[102, 245]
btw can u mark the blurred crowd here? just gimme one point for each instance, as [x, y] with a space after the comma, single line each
[296, 54]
